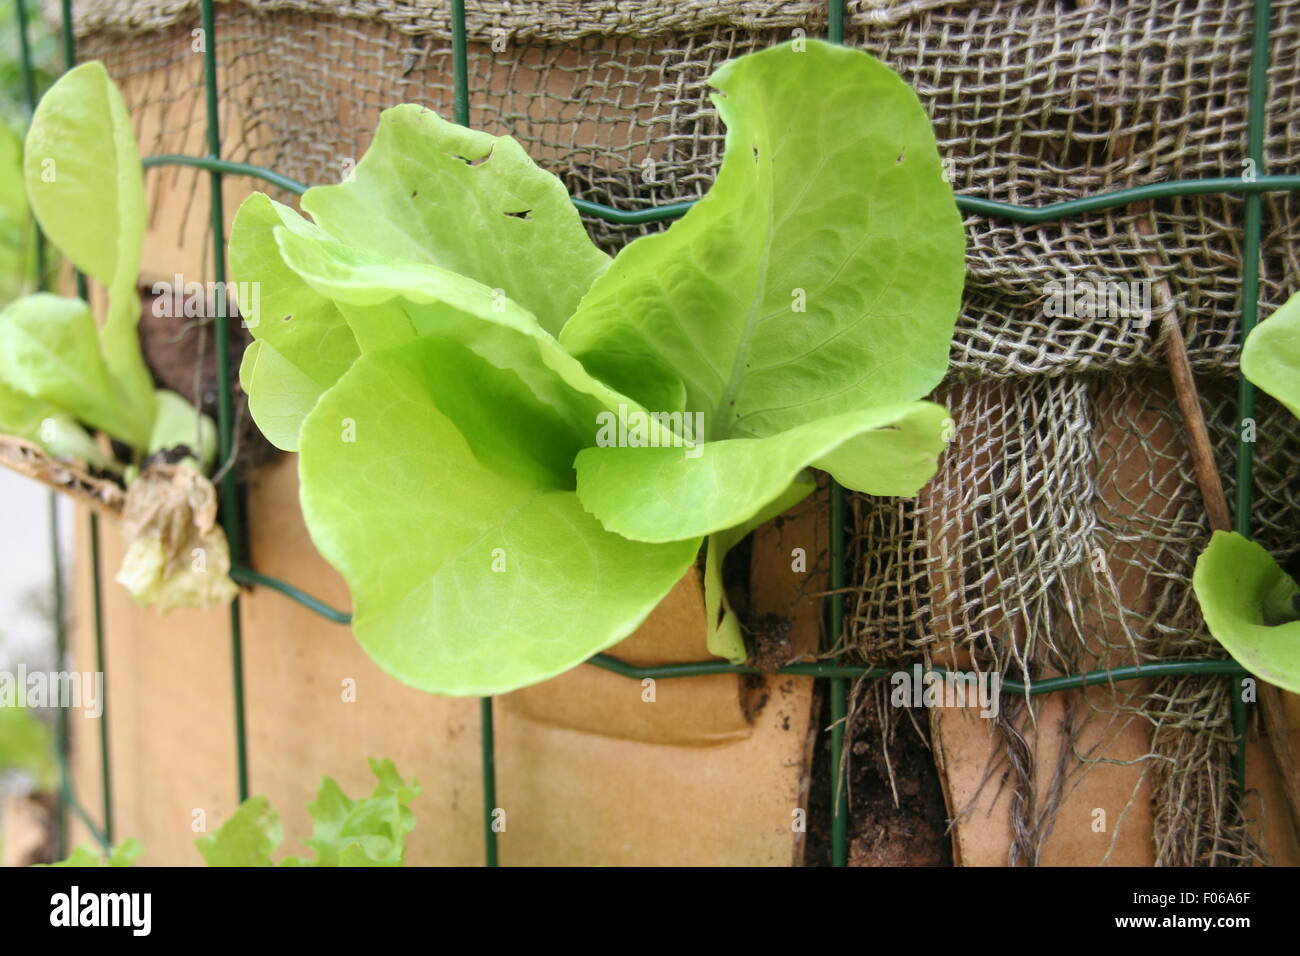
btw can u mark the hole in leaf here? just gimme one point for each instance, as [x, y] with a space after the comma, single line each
[472, 162]
[523, 214]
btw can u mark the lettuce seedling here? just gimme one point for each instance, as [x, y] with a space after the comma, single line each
[451, 355]
[1250, 604]
[368, 832]
[85, 186]
[61, 371]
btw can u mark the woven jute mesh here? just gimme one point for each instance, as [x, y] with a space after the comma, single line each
[1062, 528]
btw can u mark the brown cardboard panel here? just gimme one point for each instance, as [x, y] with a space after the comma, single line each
[698, 711]
[584, 799]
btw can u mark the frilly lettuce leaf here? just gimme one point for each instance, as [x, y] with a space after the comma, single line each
[248, 838]
[1252, 607]
[367, 832]
[124, 854]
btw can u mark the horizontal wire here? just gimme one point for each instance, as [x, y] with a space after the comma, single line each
[971, 204]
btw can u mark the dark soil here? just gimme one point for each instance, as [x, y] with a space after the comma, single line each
[880, 833]
[172, 348]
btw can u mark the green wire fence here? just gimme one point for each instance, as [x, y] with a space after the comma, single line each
[835, 673]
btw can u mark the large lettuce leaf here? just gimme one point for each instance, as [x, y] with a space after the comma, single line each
[830, 197]
[473, 567]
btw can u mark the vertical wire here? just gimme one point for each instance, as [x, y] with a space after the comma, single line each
[97, 589]
[231, 519]
[838, 685]
[1256, 116]
[487, 736]
[105, 774]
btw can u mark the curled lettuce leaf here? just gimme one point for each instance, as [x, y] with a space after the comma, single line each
[1252, 607]
[1250, 604]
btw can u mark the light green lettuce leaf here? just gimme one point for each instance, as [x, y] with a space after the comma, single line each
[247, 839]
[43, 424]
[806, 299]
[178, 423]
[124, 854]
[302, 341]
[85, 185]
[368, 832]
[388, 302]
[1252, 607]
[430, 191]
[50, 350]
[830, 196]
[1270, 358]
[440, 485]
[667, 493]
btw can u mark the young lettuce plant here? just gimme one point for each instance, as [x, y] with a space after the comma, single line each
[61, 372]
[367, 832]
[513, 447]
[1250, 604]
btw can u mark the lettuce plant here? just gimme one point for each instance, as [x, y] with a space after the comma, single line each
[1250, 604]
[62, 372]
[512, 447]
[84, 185]
[367, 832]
